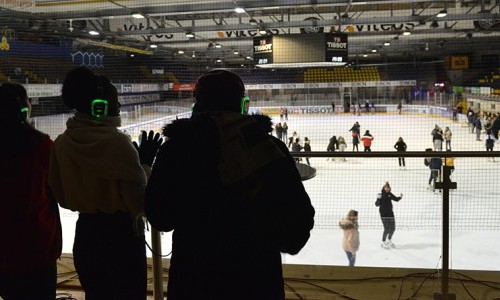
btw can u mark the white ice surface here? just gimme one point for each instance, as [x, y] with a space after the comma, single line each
[340, 186]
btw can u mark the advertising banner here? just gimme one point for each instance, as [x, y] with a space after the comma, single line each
[263, 50]
[336, 47]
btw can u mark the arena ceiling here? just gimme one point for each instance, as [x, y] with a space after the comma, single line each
[468, 26]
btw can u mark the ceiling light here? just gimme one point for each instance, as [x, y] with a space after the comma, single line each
[138, 16]
[253, 22]
[406, 33]
[180, 52]
[434, 24]
[235, 52]
[365, 55]
[132, 55]
[387, 43]
[374, 50]
[248, 57]
[93, 32]
[240, 10]
[218, 45]
[189, 34]
[218, 60]
[153, 46]
[442, 14]
[262, 31]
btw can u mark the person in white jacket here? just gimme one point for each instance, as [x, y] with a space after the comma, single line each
[350, 242]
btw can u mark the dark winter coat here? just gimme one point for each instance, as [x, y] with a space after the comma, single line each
[435, 163]
[384, 201]
[478, 124]
[356, 128]
[400, 146]
[296, 147]
[307, 147]
[332, 145]
[437, 135]
[214, 184]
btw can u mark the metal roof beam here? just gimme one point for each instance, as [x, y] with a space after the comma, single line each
[176, 9]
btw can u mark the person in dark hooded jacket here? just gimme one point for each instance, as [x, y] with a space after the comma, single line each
[332, 145]
[384, 203]
[214, 184]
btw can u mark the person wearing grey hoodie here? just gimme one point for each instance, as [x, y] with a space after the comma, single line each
[96, 171]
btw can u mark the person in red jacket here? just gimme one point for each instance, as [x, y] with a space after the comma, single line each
[31, 229]
[367, 139]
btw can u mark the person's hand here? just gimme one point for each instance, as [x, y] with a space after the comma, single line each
[148, 146]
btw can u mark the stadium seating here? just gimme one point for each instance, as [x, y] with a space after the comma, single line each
[342, 74]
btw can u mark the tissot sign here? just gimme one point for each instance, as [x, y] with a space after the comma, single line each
[263, 50]
[336, 47]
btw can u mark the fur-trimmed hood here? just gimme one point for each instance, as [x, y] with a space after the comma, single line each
[181, 127]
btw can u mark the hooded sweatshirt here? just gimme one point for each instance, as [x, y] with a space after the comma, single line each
[95, 168]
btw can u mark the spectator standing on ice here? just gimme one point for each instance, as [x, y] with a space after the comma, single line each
[30, 226]
[307, 148]
[218, 195]
[447, 137]
[367, 140]
[355, 141]
[470, 119]
[400, 146]
[479, 127]
[355, 132]
[434, 164]
[350, 241]
[284, 132]
[278, 129]
[454, 114]
[356, 127]
[400, 107]
[292, 139]
[384, 204]
[437, 138]
[297, 147]
[489, 142]
[332, 145]
[342, 145]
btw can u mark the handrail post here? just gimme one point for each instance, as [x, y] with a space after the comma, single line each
[157, 265]
[445, 185]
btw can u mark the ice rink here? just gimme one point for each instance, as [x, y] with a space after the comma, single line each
[353, 184]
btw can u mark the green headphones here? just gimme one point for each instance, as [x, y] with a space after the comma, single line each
[99, 106]
[24, 113]
[244, 106]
